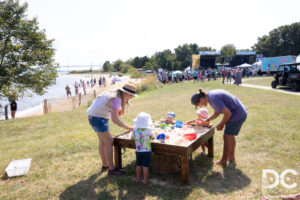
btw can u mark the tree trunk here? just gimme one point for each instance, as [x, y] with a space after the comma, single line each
[3, 52]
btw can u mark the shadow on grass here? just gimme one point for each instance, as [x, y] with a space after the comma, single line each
[214, 182]
[202, 177]
[287, 89]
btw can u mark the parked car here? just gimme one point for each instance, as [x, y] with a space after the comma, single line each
[287, 75]
[148, 71]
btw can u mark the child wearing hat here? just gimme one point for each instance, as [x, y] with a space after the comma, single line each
[170, 118]
[143, 136]
[202, 115]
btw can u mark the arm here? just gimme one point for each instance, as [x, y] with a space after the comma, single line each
[214, 116]
[191, 121]
[116, 120]
[227, 115]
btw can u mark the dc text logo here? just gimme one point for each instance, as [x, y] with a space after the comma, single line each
[273, 176]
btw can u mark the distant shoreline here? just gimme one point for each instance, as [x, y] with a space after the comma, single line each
[38, 109]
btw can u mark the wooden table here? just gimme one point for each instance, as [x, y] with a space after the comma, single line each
[204, 135]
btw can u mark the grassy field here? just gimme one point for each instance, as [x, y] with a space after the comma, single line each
[66, 164]
[264, 81]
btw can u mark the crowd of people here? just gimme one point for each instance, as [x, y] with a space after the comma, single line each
[84, 85]
[230, 75]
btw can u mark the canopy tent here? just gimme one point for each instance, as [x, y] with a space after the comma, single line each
[187, 69]
[177, 72]
[245, 65]
[257, 65]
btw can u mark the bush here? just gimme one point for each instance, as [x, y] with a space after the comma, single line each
[138, 75]
[149, 83]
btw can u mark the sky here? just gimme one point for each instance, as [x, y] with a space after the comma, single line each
[89, 32]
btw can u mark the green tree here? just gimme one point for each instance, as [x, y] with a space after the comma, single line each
[117, 65]
[165, 59]
[284, 40]
[184, 54]
[228, 50]
[106, 66]
[139, 62]
[26, 55]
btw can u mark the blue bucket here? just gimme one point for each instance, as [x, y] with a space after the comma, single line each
[179, 124]
[161, 137]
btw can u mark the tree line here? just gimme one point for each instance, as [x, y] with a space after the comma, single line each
[284, 40]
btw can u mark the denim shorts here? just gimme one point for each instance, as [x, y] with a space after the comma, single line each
[233, 128]
[99, 124]
[143, 158]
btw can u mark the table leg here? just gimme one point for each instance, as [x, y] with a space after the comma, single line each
[210, 147]
[185, 169]
[118, 157]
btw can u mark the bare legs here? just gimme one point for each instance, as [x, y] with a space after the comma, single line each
[13, 114]
[228, 150]
[145, 172]
[105, 149]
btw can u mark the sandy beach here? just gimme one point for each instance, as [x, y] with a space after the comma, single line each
[38, 110]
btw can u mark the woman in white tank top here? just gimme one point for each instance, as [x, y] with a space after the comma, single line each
[107, 107]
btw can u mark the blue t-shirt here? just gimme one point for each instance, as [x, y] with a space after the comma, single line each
[219, 99]
[195, 74]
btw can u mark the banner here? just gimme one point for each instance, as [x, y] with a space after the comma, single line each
[195, 61]
[216, 53]
[245, 53]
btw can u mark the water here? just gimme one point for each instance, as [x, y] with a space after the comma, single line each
[30, 103]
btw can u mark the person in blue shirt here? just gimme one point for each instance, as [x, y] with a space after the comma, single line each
[234, 115]
[195, 75]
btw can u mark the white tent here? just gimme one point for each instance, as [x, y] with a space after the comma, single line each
[187, 69]
[298, 59]
[245, 65]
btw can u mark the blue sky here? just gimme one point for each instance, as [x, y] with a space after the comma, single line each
[92, 31]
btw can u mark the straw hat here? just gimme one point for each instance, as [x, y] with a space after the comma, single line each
[143, 120]
[203, 112]
[129, 89]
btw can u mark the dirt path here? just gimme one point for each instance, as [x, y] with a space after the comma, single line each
[269, 88]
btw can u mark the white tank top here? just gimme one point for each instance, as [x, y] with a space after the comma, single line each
[99, 107]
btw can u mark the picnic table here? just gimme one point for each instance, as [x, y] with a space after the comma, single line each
[183, 151]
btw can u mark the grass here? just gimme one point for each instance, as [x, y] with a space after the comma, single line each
[263, 81]
[66, 164]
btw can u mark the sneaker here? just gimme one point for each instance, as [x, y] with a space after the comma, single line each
[104, 169]
[116, 171]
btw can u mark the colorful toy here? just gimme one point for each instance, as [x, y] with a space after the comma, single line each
[190, 136]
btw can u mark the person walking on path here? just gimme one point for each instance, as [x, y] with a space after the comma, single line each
[84, 87]
[100, 81]
[224, 75]
[104, 81]
[234, 115]
[229, 76]
[68, 90]
[13, 107]
[238, 78]
[76, 88]
[102, 109]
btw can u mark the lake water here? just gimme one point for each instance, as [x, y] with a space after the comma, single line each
[28, 103]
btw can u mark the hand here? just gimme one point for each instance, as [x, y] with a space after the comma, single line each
[130, 128]
[220, 127]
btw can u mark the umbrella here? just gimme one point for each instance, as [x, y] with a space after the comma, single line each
[177, 72]
[116, 79]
